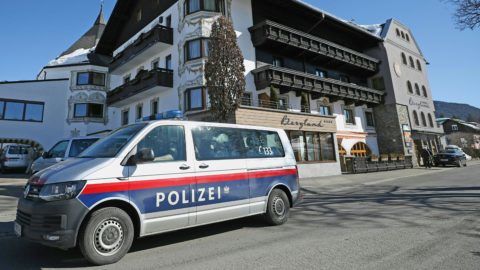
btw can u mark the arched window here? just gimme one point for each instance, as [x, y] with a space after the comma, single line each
[424, 120]
[404, 59]
[419, 66]
[360, 150]
[341, 151]
[424, 90]
[398, 32]
[403, 34]
[415, 118]
[409, 86]
[412, 63]
[407, 37]
[430, 120]
[417, 89]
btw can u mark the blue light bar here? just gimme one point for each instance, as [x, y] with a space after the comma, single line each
[168, 115]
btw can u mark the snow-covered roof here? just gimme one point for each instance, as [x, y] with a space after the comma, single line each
[78, 56]
[375, 29]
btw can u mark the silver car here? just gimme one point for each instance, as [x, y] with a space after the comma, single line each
[14, 156]
[61, 151]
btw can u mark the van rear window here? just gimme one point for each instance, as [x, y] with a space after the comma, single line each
[217, 143]
[17, 150]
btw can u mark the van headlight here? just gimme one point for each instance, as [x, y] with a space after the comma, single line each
[61, 191]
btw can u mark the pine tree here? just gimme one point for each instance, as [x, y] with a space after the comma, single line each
[224, 71]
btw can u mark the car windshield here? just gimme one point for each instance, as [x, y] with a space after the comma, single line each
[17, 150]
[113, 143]
[78, 146]
[452, 151]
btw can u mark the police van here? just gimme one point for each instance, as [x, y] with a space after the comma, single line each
[158, 176]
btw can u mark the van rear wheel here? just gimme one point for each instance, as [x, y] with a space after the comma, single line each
[278, 208]
[107, 236]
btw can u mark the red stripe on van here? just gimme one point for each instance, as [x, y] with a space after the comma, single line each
[181, 181]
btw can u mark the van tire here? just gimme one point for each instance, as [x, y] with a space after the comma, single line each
[278, 208]
[119, 226]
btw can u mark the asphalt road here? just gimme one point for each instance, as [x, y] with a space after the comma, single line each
[399, 220]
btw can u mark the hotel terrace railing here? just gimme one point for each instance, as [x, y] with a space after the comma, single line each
[158, 34]
[289, 79]
[268, 30]
[275, 105]
[144, 81]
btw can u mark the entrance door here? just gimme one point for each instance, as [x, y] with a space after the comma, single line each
[222, 184]
[161, 189]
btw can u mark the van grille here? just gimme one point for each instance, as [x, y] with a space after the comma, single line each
[38, 222]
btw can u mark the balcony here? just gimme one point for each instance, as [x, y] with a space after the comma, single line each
[292, 80]
[273, 36]
[146, 46]
[144, 85]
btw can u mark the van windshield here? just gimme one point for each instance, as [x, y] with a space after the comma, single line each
[113, 143]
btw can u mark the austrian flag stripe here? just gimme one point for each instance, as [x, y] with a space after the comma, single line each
[173, 182]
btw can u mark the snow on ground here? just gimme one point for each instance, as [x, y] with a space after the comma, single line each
[78, 56]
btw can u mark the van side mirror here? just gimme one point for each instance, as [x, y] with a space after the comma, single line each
[144, 155]
[45, 155]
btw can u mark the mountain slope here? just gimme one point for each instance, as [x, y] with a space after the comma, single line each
[461, 111]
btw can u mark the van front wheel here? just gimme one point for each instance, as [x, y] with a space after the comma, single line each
[278, 208]
[107, 236]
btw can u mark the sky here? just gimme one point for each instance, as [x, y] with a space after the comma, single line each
[34, 32]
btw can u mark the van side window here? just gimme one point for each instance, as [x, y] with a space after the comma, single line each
[167, 143]
[217, 143]
[58, 151]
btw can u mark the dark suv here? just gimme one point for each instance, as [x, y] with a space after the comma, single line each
[451, 157]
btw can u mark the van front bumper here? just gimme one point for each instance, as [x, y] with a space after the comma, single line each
[54, 224]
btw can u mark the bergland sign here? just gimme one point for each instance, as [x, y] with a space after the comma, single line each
[285, 120]
[418, 104]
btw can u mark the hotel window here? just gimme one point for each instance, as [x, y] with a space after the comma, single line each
[277, 61]
[17, 110]
[369, 119]
[154, 107]
[419, 65]
[91, 78]
[344, 78]
[398, 32]
[168, 22]
[415, 118]
[404, 59]
[155, 64]
[324, 109]
[139, 111]
[125, 117]
[194, 99]
[407, 37]
[168, 62]
[92, 110]
[417, 89]
[409, 86]
[424, 90]
[412, 63]
[321, 73]
[349, 116]
[424, 120]
[454, 127]
[360, 149]
[403, 34]
[195, 49]
[192, 6]
[430, 120]
[312, 146]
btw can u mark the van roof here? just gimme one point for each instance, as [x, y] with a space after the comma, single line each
[198, 123]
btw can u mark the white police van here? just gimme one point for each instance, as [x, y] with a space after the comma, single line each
[158, 176]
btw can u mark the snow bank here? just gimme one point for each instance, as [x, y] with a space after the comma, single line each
[375, 29]
[76, 57]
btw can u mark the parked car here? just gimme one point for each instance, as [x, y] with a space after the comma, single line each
[450, 147]
[61, 151]
[14, 156]
[451, 157]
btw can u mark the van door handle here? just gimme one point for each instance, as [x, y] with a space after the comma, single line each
[203, 166]
[184, 167]
[122, 178]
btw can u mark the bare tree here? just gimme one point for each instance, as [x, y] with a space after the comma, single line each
[467, 13]
[224, 71]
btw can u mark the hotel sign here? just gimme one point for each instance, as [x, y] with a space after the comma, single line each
[285, 120]
[418, 104]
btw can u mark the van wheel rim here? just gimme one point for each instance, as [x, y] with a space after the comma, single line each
[108, 237]
[278, 206]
